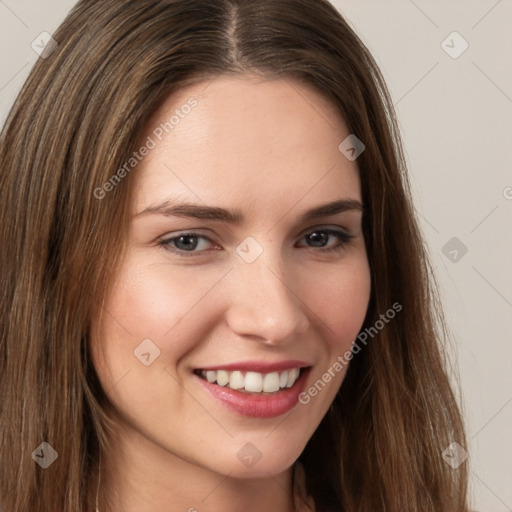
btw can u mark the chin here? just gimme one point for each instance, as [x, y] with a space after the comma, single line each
[269, 460]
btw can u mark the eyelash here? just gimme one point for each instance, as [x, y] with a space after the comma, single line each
[344, 238]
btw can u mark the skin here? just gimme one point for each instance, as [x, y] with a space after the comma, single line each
[270, 150]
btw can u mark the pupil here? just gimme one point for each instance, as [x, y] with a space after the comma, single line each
[318, 237]
[187, 245]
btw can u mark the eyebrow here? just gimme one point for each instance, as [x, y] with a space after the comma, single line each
[196, 211]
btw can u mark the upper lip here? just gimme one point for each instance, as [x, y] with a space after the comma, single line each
[259, 366]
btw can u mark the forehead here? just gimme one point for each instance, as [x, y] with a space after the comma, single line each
[262, 142]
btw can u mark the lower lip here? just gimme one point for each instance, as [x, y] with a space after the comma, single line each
[255, 405]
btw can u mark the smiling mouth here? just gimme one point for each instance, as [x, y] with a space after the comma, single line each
[252, 382]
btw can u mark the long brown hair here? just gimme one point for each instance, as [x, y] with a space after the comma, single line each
[74, 124]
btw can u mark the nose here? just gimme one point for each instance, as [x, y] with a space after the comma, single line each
[263, 304]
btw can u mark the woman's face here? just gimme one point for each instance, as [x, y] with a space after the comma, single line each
[243, 287]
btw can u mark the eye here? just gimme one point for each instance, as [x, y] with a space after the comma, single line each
[190, 243]
[184, 243]
[320, 239]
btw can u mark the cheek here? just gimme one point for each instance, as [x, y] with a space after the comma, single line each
[142, 305]
[153, 300]
[341, 301]
[338, 301]
[341, 305]
[149, 301]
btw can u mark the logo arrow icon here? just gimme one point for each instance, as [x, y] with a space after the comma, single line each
[45, 455]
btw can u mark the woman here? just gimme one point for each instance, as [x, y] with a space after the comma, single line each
[215, 293]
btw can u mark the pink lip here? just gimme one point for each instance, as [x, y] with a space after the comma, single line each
[256, 405]
[260, 366]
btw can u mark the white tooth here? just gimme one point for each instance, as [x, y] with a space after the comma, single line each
[292, 377]
[236, 381]
[283, 379]
[253, 382]
[222, 377]
[211, 376]
[271, 382]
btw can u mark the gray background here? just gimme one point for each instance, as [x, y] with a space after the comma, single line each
[456, 120]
